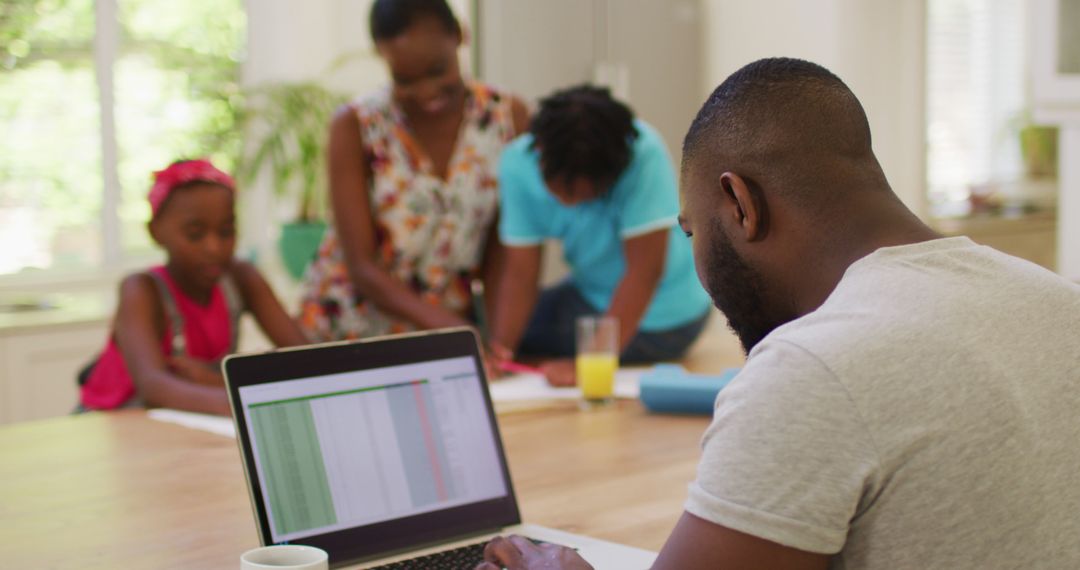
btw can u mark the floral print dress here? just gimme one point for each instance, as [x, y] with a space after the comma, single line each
[430, 233]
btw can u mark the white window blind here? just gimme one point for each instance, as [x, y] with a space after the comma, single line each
[975, 95]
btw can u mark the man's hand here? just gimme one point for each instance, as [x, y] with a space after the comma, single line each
[519, 553]
[560, 372]
[196, 371]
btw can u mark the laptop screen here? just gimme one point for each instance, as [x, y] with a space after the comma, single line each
[371, 447]
[357, 448]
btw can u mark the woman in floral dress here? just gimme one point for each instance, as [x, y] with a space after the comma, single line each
[413, 186]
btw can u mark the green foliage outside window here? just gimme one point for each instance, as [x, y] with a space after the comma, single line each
[176, 95]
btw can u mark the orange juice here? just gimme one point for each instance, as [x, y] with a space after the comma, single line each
[596, 374]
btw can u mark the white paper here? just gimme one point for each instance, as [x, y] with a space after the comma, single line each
[534, 387]
[205, 422]
[511, 391]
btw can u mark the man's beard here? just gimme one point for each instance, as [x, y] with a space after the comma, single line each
[738, 291]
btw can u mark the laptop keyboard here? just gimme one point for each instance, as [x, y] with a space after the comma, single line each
[462, 558]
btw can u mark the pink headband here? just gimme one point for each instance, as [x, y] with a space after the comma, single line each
[181, 173]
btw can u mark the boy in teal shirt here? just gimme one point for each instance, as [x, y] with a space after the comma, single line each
[591, 176]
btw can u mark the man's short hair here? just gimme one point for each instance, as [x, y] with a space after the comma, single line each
[779, 117]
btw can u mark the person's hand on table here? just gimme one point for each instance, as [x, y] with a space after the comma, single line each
[494, 357]
[560, 372]
[196, 371]
[439, 318]
[519, 553]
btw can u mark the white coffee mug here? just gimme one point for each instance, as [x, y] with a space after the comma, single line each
[285, 557]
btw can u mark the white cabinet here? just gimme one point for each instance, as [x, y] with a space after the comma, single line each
[38, 367]
[42, 351]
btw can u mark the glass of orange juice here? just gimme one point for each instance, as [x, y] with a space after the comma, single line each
[597, 358]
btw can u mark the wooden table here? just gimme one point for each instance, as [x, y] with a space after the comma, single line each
[119, 490]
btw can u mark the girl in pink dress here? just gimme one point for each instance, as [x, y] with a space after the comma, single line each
[175, 322]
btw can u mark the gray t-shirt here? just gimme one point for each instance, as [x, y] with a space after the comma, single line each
[927, 415]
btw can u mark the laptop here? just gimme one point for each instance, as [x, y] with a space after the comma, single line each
[384, 451]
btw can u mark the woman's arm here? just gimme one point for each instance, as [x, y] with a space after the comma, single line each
[139, 326]
[279, 327]
[519, 114]
[356, 230]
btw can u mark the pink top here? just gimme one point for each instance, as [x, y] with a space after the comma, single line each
[207, 334]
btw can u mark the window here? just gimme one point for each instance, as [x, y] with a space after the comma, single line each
[975, 97]
[94, 96]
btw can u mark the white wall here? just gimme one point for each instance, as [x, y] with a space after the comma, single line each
[875, 46]
[290, 40]
[647, 51]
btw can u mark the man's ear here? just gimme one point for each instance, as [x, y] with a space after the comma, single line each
[749, 213]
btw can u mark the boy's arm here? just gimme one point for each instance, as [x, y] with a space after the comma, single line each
[645, 255]
[644, 266]
[495, 251]
[279, 327]
[491, 272]
[516, 295]
[521, 232]
[139, 326]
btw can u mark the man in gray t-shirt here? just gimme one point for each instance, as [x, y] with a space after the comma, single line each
[908, 401]
[925, 416]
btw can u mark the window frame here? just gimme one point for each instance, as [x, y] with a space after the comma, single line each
[106, 48]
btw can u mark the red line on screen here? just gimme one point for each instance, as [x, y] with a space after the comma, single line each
[429, 440]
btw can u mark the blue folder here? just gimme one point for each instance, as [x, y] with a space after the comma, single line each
[669, 388]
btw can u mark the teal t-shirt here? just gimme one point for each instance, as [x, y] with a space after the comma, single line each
[644, 199]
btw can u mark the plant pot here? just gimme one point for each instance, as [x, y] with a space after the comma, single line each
[298, 244]
[1038, 146]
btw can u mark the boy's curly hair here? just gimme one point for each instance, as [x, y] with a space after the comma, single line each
[583, 131]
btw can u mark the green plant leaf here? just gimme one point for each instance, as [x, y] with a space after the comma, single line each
[285, 125]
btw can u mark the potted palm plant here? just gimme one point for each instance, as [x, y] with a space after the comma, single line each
[285, 125]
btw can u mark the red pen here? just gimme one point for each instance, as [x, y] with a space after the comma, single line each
[517, 367]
